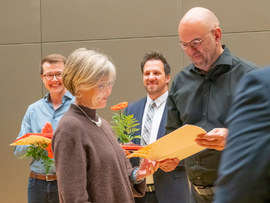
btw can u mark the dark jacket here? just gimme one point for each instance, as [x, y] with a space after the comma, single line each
[169, 186]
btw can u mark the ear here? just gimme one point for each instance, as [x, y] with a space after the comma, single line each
[42, 78]
[168, 78]
[217, 33]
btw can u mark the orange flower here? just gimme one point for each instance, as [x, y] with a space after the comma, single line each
[49, 149]
[119, 106]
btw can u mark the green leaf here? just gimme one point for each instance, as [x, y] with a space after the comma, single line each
[124, 126]
[39, 152]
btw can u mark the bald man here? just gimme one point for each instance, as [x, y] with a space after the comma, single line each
[202, 93]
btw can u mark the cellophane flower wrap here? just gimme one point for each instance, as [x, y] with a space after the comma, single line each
[42, 150]
[124, 126]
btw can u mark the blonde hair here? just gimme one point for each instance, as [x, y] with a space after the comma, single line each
[85, 69]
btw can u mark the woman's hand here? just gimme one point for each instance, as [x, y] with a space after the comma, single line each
[146, 168]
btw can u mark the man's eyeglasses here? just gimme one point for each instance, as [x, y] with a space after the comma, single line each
[193, 43]
[103, 87]
[50, 76]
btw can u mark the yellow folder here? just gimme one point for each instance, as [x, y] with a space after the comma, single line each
[179, 143]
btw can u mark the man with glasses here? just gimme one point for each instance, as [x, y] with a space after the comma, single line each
[42, 187]
[201, 95]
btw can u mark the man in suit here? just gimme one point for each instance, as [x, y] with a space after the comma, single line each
[244, 173]
[166, 185]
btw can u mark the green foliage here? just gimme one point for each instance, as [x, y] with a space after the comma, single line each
[124, 127]
[38, 152]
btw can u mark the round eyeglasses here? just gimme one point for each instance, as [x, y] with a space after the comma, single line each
[50, 76]
[193, 43]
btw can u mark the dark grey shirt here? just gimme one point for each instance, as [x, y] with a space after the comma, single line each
[204, 100]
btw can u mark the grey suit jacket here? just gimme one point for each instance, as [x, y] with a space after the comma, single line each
[172, 186]
[244, 173]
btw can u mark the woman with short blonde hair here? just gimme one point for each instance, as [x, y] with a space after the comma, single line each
[90, 164]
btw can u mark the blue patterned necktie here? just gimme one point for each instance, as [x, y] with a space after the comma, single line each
[148, 124]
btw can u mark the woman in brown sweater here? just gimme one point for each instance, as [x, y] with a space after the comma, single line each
[90, 164]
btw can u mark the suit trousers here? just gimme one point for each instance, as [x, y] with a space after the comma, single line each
[150, 197]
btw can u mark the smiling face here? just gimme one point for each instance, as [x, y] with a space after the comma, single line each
[154, 79]
[54, 86]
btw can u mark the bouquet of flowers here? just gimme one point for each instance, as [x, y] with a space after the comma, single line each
[41, 151]
[124, 126]
[40, 145]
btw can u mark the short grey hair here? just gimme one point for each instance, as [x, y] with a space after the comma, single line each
[85, 69]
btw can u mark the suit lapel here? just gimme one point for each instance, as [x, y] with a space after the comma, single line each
[137, 109]
[163, 123]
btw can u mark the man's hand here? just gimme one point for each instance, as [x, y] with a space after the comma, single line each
[168, 164]
[146, 168]
[47, 128]
[215, 139]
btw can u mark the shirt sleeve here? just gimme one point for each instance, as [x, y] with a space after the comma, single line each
[244, 169]
[138, 190]
[20, 150]
[173, 119]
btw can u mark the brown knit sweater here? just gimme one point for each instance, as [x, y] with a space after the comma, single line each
[90, 164]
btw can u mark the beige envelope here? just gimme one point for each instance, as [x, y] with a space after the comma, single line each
[179, 143]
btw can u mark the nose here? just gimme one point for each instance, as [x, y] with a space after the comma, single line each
[190, 49]
[54, 78]
[151, 76]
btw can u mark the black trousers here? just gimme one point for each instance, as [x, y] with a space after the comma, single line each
[150, 197]
[196, 198]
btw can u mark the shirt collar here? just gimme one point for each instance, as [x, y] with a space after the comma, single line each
[225, 58]
[159, 101]
[222, 64]
[66, 96]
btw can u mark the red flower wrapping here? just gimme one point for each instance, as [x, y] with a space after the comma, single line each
[49, 149]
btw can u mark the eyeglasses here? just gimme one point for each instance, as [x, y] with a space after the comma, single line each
[50, 76]
[193, 43]
[103, 87]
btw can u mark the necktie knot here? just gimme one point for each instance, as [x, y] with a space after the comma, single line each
[152, 104]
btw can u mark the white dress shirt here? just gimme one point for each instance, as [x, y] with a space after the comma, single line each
[158, 112]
